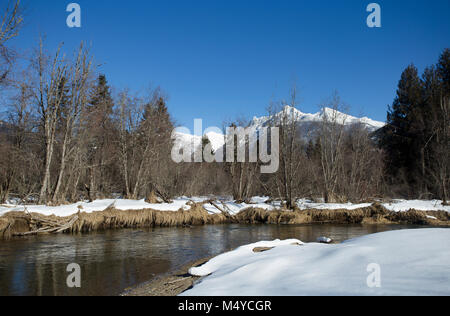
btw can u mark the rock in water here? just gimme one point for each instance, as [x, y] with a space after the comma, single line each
[324, 240]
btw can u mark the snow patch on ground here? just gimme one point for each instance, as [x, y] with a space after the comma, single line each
[304, 204]
[419, 205]
[395, 205]
[234, 208]
[101, 205]
[225, 203]
[228, 258]
[412, 262]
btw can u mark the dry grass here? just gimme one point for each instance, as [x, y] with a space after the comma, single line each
[17, 222]
[374, 214]
[112, 218]
[152, 198]
[12, 223]
[4, 226]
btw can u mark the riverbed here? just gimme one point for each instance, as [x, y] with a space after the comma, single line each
[114, 260]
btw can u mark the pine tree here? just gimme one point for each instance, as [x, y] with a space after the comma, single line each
[440, 162]
[443, 69]
[101, 104]
[398, 137]
[101, 137]
[416, 139]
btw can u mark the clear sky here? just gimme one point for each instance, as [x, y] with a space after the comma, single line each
[219, 60]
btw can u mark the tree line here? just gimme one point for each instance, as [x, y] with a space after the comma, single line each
[67, 135]
[417, 136]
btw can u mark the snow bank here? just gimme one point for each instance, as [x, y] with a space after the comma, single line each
[231, 206]
[419, 205]
[101, 205]
[395, 205]
[412, 262]
[230, 257]
[122, 204]
[304, 204]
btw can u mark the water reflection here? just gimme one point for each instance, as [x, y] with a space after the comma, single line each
[114, 260]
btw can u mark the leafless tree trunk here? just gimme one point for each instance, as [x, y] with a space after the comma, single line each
[241, 170]
[440, 166]
[79, 87]
[49, 97]
[287, 178]
[124, 120]
[332, 149]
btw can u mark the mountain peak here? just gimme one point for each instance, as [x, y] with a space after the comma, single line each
[292, 113]
[306, 120]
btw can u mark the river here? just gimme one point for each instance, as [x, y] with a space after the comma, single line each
[114, 260]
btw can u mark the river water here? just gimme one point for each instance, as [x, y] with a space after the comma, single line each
[114, 260]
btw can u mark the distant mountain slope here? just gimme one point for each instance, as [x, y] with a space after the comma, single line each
[217, 140]
[302, 118]
[308, 124]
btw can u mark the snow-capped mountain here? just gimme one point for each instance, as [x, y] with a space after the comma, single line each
[217, 140]
[289, 113]
[308, 124]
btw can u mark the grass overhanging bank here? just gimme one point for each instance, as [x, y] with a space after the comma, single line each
[374, 214]
[24, 223]
[21, 224]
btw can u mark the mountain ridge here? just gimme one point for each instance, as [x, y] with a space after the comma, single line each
[307, 122]
[345, 119]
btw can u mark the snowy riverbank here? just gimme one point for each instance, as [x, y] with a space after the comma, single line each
[411, 262]
[231, 206]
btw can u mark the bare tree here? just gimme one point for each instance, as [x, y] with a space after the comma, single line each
[331, 139]
[78, 86]
[10, 22]
[363, 165]
[17, 144]
[290, 151]
[242, 168]
[127, 125]
[52, 80]
[440, 164]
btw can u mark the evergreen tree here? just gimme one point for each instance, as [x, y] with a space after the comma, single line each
[416, 138]
[440, 162]
[101, 104]
[443, 69]
[102, 132]
[398, 136]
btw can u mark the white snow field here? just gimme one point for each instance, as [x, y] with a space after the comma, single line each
[231, 206]
[411, 262]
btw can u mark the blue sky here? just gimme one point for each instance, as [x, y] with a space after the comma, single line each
[219, 60]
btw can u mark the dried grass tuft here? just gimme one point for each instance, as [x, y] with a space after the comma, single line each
[111, 218]
[374, 214]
